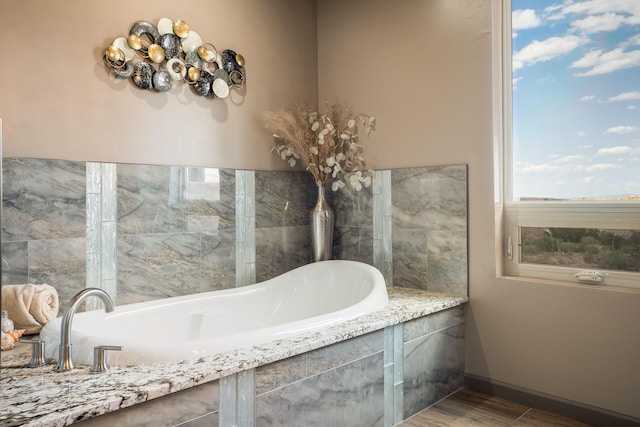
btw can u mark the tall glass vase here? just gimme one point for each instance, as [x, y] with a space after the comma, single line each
[322, 221]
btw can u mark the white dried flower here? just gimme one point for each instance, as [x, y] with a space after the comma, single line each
[336, 170]
[351, 123]
[315, 126]
[292, 162]
[337, 185]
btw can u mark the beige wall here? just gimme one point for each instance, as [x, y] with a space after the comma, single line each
[58, 101]
[424, 68]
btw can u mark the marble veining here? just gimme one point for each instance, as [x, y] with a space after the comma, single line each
[42, 199]
[330, 398]
[41, 397]
[218, 232]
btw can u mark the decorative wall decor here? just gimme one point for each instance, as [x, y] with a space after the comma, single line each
[156, 57]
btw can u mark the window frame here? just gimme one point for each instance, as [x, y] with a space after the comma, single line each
[516, 214]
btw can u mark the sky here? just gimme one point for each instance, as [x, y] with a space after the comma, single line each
[576, 98]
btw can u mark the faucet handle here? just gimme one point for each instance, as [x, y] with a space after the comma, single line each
[99, 365]
[37, 353]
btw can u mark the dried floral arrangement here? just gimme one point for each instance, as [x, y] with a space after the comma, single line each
[326, 142]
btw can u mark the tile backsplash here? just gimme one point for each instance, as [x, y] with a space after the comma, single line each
[146, 232]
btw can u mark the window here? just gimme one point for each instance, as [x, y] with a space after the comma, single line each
[571, 100]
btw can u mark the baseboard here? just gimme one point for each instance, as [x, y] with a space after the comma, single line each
[577, 411]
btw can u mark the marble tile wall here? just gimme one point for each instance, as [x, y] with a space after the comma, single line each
[339, 385]
[193, 407]
[429, 228]
[377, 379]
[43, 224]
[283, 202]
[177, 231]
[433, 359]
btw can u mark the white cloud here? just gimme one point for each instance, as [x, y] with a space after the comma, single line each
[585, 147]
[587, 98]
[586, 180]
[552, 11]
[631, 107]
[524, 19]
[632, 41]
[568, 164]
[599, 23]
[608, 62]
[631, 8]
[540, 168]
[621, 130]
[621, 149]
[600, 167]
[625, 96]
[570, 159]
[582, 133]
[515, 82]
[545, 50]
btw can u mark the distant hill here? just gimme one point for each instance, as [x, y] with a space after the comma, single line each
[633, 197]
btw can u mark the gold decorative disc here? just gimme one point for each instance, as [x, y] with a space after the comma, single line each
[114, 54]
[134, 42]
[156, 53]
[194, 74]
[181, 28]
[240, 60]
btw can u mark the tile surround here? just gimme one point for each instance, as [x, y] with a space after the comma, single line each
[348, 395]
[433, 359]
[153, 232]
[177, 230]
[169, 242]
[429, 228]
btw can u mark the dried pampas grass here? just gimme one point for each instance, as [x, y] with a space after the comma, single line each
[327, 143]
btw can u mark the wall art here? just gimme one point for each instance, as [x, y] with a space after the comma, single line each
[155, 57]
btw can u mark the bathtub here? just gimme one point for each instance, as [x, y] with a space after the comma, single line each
[191, 326]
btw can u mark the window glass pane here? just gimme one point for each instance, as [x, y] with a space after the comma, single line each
[576, 99]
[581, 248]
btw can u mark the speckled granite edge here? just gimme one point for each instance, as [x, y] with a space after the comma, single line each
[42, 397]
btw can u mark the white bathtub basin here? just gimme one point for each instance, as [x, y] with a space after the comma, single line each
[191, 326]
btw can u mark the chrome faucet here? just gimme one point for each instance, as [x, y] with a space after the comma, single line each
[65, 363]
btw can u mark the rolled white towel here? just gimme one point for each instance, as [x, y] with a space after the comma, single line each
[30, 306]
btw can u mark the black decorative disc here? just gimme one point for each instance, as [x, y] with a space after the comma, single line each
[143, 75]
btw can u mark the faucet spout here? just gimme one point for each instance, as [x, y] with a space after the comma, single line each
[65, 362]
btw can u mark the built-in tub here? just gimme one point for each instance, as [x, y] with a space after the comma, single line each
[186, 327]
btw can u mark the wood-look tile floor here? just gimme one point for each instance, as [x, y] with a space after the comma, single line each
[472, 409]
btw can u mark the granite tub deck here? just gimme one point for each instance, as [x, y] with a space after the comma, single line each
[245, 387]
